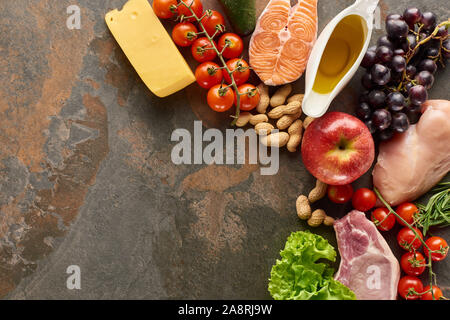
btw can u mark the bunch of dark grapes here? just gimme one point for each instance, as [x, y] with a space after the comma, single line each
[399, 71]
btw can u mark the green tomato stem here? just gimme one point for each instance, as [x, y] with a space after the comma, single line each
[221, 58]
[415, 233]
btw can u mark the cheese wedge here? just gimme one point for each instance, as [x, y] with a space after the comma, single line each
[148, 46]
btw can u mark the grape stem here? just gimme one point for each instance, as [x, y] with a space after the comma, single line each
[416, 237]
[220, 55]
[411, 52]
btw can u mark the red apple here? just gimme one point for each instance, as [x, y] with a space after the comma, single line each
[337, 148]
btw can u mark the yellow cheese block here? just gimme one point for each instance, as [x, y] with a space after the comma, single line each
[148, 46]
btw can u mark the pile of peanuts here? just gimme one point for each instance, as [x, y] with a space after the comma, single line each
[303, 205]
[285, 114]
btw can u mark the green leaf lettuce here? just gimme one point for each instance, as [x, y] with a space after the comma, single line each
[298, 275]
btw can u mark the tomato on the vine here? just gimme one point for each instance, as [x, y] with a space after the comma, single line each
[364, 199]
[437, 292]
[220, 98]
[383, 219]
[202, 50]
[184, 34]
[439, 245]
[240, 70]
[413, 263]
[408, 240]
[249, 98]
[410, 288]
[165, 9]
[213, 22]
[195, 5]
[407, 211]
[234, 45]
[208, 74]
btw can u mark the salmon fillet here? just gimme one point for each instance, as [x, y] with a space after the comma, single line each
[282, 41]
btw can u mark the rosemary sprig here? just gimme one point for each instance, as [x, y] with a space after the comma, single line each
[437, 211]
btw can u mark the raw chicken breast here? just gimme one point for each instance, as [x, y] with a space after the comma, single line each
[412, 163]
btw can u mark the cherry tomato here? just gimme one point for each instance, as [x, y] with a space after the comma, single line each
[413, 263]
[162, 8]
[208, 74]
[250, 100]
[436, 244]
[234, 44]
[383, 219]
[196, 6]
[406, 211]
[364, 199]
[220, 98]
[241, 74]
[409, 287]
[202, 50]
[408, 240]
[340, 194]
[428, 296]
[184, 34]
[213, 22]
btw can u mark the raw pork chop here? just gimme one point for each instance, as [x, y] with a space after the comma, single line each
[412, 163]
[282, 41]
[368, 266]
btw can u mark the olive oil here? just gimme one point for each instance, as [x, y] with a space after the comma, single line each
[342, 50]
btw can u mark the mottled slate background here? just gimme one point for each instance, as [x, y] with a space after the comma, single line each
[86, 177]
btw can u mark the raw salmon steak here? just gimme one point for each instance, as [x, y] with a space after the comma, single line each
[283, 40]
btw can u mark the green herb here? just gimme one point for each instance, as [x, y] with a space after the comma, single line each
[298, 276]
[437, 211]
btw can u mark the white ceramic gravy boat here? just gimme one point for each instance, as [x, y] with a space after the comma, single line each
[315, 104]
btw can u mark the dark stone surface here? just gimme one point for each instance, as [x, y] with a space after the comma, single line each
[86, 177]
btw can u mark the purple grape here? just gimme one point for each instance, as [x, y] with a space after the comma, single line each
[412, 16]
[408, 87]
[398, 63]
[411, 71]
[397, 29]
[423, 35]
[428, 20]
[370, 126]
[409, 43]
[366, 81]
[399, 52]
[446, 49]
[384, 41]
[394, 16]
[386, 134]
[381, 119]
[370, 58]
[418, 95]
[395, 101]
[381, 75]
[363, 111]
[413, 115]
[432, 52]
[442, 32]
[427, 65]
[400, 122]
[425, 78]
[377, 98]
[384, 54]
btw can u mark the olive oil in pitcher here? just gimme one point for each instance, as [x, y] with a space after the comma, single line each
[341, 52]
